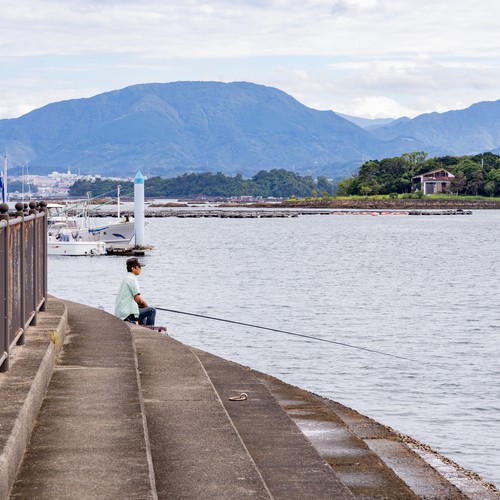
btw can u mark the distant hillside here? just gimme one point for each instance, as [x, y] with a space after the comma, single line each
[468, 131]
[367, 123]
[168, 129]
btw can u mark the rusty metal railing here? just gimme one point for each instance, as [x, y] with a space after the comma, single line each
[23, 276]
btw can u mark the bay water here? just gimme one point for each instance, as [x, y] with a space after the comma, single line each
[425, 288]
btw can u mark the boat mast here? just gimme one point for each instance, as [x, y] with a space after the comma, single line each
[118, 198]
[86, 210]
[4, 180]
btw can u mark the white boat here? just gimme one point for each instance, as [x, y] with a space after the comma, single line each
[79, 229]
[61, 245]
[118, 233]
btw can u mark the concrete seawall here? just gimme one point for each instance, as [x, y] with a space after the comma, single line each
[93, 408]
[23, 388]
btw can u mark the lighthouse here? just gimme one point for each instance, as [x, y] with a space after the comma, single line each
[139, 209]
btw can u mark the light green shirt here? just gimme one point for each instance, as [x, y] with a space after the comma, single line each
[125, 304]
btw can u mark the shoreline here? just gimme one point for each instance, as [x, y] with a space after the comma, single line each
[400, 204]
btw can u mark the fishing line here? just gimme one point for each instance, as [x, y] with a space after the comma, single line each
[290, 333]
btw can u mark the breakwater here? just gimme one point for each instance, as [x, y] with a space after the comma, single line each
[274, 213]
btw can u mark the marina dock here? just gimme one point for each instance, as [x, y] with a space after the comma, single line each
[95, 408]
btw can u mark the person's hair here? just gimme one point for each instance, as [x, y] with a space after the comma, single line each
[132, 263]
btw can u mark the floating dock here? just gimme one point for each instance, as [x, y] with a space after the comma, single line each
[130, 250]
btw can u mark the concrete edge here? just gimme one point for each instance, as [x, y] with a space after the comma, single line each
[149, 455]
[467, 482]
[230, 420]
[12, 454]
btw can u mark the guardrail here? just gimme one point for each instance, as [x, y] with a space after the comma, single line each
[23, 276]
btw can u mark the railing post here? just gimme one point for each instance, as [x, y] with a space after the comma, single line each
[43, 208]
[20, 213]
[35, 266]
[4, 326]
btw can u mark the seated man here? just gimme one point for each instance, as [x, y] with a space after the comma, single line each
[129, 306]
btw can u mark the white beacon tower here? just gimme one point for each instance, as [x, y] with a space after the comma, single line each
[139, 208]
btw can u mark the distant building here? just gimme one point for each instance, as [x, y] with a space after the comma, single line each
[56, 184]
[435, 182]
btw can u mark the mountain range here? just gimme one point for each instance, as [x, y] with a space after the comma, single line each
[169, 129]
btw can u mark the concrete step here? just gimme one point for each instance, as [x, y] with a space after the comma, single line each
[196, 451]
[288, 463]
[131, 413]
[355, 466]
[23, 388]
[88, 440]
[205, 446]
[370, 459]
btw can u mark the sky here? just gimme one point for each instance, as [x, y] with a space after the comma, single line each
[366, 58]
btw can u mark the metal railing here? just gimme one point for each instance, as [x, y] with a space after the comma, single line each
[23, 273]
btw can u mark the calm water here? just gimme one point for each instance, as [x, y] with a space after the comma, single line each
[426, 288]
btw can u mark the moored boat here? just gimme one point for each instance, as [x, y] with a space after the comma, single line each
[63, 246]
[76, 229]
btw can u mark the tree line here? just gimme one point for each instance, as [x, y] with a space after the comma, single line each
[278, 183]
[477, 175]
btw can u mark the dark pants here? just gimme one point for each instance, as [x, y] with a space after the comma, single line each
[147, 316]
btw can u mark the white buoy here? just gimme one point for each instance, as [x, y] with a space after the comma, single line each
[139, 208]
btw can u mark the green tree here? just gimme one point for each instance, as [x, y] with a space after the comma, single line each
[414, 162]
[348, 187]
[489, 188]
[474, 174]
[325, 185]
[459, 183]
[394, 175]
[365, 190]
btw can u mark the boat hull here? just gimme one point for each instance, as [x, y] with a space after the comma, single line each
[76, 248]
[122, 232]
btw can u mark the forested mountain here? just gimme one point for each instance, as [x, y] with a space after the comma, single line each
[168, 129]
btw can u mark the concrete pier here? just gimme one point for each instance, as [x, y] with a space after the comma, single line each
[93, 408]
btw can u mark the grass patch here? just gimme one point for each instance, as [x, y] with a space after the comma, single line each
[55, 338]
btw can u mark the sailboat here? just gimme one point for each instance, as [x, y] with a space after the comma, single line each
[76, 230]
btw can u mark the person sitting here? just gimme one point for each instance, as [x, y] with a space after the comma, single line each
[129, 305]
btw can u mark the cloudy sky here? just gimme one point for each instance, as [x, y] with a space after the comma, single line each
[369, 58]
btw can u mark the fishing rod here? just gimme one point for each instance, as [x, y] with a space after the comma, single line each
[290, 333]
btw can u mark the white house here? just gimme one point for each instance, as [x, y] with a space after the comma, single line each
[435, 182]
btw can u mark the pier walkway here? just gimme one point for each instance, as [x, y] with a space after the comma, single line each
[117, 411]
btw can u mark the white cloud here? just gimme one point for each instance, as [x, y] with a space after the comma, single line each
[326, 53]
[354, 7]
[375, 107]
